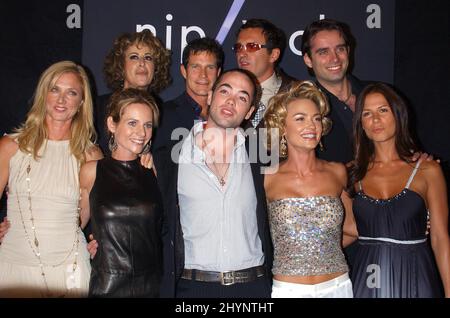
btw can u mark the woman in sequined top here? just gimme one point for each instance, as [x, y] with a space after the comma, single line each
[304, 199]
[392, 197]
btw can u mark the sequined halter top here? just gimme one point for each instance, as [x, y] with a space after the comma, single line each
[306, 234]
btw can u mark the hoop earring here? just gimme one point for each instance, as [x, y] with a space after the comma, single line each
[283, 147]
[112, 144]
[147, 147]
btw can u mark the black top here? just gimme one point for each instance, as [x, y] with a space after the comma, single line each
[338, 143]
[181, 112]
[126, 220]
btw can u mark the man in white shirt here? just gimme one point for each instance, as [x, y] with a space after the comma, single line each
[217, 242]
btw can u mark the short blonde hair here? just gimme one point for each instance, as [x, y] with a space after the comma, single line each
[276, 113]
[33, 132]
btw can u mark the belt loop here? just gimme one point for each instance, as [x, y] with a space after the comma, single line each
[194, 274]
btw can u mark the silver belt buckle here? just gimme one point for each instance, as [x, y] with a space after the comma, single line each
[227, 278]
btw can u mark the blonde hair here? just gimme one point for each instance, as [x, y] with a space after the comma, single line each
[33, 132]
[276, 113]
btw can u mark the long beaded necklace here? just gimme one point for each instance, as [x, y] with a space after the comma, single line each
[34, 245]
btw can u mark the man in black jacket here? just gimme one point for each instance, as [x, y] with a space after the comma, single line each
[202, 63]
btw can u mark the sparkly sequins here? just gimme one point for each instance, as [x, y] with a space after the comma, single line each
[306, 234]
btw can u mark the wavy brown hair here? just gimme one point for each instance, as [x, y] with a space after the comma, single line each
[114, 64]
[33, 132]
[276, 113]
[364, 147]
[121, 99]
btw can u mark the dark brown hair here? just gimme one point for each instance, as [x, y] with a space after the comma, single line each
[364, 147]
[257, 88]
[122, 98]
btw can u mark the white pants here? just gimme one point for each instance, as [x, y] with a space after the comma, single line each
[339, 287]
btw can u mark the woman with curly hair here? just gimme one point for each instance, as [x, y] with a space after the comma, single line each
[304, 197]
[136, 60]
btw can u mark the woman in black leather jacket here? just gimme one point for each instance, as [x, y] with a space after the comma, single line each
[123, 201]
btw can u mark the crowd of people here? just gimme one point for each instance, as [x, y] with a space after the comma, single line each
[348, 206]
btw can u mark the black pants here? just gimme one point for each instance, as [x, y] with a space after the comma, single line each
[259, 288]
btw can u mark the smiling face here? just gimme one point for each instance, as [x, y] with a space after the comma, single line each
[377, 118]
[328, 57]
[139, 67]
[231, 101]
[200, 74]
[303, 125]
[132, 132]
[64, 98]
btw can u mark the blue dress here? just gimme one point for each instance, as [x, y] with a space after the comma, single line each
[393, 256]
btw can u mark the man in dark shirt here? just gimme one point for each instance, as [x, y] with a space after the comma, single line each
[202, 63]
[326, 47]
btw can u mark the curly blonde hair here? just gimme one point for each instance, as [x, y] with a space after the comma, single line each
[114, 65]
[33, 132]
[275, 116]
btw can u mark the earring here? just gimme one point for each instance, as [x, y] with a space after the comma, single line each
[112, 144]
[147, 147]
[321, 145]
[283, 147]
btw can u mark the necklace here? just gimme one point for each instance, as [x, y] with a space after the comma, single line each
[349, 95]
[220, 177]
[34, 244]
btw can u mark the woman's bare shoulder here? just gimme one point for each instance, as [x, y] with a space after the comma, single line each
[8, 146]
[430, 169]
[93, 153]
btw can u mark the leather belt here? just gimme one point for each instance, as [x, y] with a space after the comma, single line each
[225, 278]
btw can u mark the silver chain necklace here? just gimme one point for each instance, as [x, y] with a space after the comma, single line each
[220, 177]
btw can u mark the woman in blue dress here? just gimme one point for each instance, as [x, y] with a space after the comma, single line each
[393, 196]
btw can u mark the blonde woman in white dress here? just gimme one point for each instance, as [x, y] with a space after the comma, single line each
[43, 253]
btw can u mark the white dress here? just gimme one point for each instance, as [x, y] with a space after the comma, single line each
[54, 192]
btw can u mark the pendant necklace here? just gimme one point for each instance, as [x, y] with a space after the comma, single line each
[220, 177]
